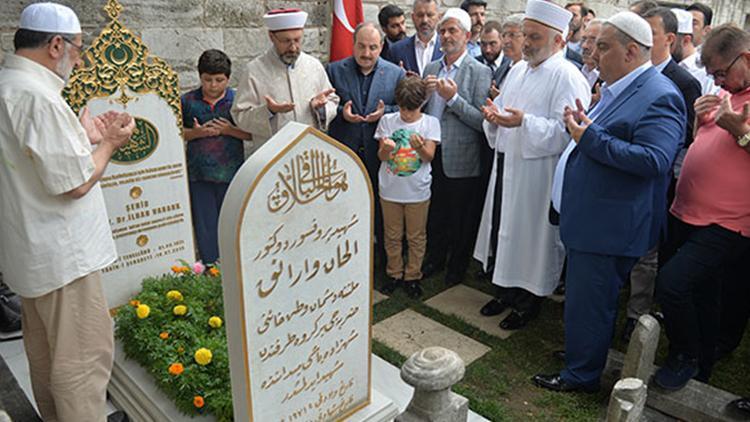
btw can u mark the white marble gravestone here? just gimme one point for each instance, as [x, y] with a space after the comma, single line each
[295, 236]
[145, 185]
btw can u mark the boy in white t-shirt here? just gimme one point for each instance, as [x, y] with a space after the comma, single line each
[407, 144]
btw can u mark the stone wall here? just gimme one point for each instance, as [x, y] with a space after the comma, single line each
[179, 30]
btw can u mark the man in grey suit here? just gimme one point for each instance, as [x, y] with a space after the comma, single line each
[459, 85]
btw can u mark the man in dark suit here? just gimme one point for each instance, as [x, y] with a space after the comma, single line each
[491, 43]
[366, 85]
[664, 30]
[610, 188]
[459, 86]
[393, 24]
[415, 52]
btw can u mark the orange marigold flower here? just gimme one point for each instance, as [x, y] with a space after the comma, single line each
[176, 268]
[134, 303]
[164, 335]
[213, 272]
[176, 368]
[184, 269]
[198, 402]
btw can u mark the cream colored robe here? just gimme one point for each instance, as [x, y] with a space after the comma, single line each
[268, 75]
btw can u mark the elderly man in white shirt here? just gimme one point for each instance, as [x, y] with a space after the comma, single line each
[525, 122]
[55, 237]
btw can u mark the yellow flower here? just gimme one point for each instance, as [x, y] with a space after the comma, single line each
[164, 335]
[179, 310]
[203, 356]
[174, 295]
[214, 322]
[142, 311]
[176, 369]
[213, 272]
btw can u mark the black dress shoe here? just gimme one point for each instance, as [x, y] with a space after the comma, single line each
[555, 383]
[493, 307]
[559, 355]
[413, 289]
[389, 286]
[452, 279]
[742, 405]
[517, 320]
[118, 416]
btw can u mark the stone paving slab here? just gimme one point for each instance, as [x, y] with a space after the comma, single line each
[464, 302]
[408, 332]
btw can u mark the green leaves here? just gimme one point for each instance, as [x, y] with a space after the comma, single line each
[141, 340]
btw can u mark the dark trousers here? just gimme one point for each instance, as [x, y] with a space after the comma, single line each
[735, 312]
[593, 285]
[497, 204]
[206, 199]
[689, 287]
[453, 219]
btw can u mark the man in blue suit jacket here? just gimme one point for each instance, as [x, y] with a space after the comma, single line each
[425, 42]
[610, 189]
[366, 85]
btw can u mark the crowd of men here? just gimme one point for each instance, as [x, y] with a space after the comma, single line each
[576, 154]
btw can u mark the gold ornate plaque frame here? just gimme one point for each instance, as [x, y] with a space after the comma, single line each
[118, 60]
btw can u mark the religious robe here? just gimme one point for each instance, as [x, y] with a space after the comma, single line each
[268, 75]
[529, 252]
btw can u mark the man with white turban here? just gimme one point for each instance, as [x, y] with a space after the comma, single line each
[525, 122]
[285, 84]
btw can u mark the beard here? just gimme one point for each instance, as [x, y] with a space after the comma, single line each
[289, 58]
[65, 66]
[678, 54]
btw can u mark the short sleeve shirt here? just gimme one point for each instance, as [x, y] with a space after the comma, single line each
[215, 158]
[405, 178]
[713, 186]
[47, 239]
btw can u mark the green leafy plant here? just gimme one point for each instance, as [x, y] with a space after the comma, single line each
[164, 343]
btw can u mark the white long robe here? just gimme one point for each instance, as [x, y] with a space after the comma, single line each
[268, 75]
[529, 252]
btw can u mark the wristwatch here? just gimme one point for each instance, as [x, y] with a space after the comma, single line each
[744, 140]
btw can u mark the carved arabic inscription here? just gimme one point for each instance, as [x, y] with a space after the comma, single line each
[306, 177]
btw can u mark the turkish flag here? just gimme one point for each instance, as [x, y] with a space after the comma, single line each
[347, 14]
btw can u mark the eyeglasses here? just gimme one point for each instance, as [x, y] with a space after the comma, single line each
[722, 74]
[81, 48]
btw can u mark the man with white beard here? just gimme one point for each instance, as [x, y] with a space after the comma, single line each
[285, 84]
[55, 237]
[525, 122]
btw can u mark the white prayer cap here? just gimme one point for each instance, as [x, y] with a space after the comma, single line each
[284, 19]
[548, 14]
[458, 14]
[684, 21]
[50, 17]
[633, 26]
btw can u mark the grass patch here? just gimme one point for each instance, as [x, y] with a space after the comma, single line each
[498, 384]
